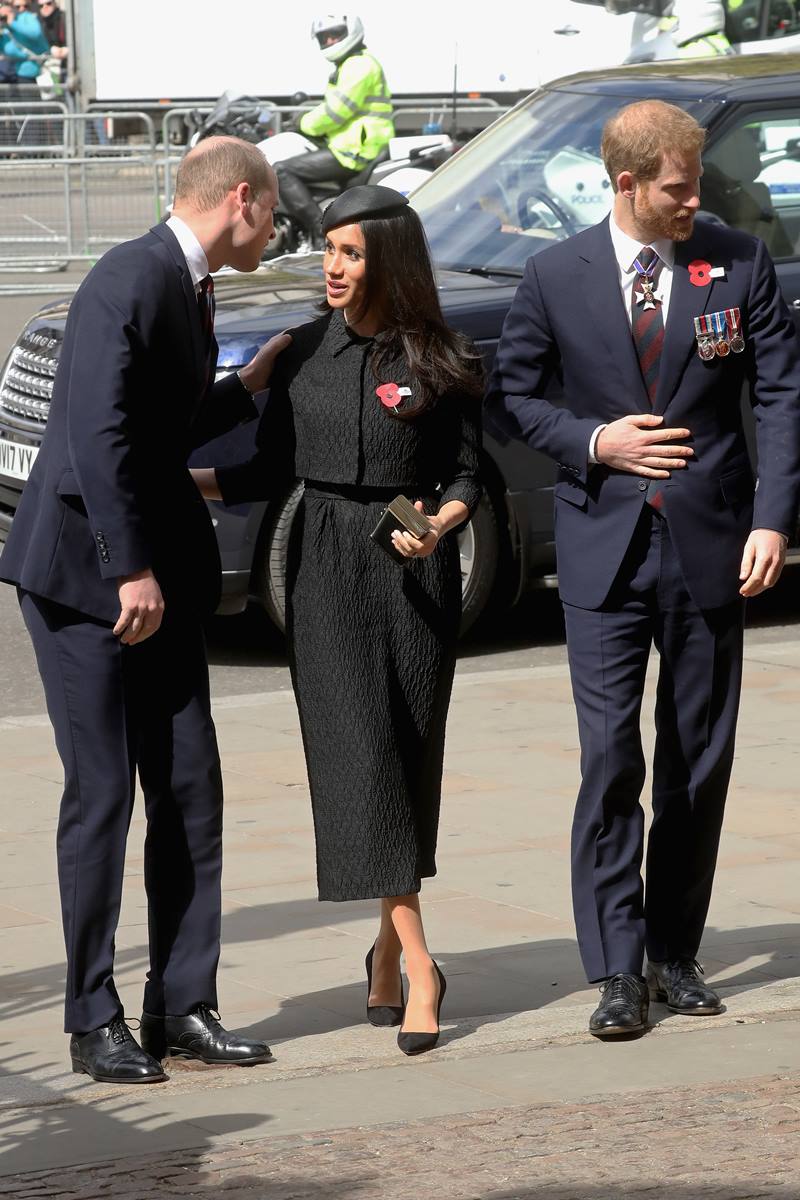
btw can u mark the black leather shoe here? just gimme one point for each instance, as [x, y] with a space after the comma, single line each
[678, 985]
[111, 1054]
[199, 1034]
[623, 1009]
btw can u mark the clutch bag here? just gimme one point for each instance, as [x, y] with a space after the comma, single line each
[399, 514]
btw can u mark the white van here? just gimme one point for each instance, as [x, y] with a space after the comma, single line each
[582, 35]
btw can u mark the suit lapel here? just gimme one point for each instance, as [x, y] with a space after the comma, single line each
[598, 265]
[686, 302]
[190, 299]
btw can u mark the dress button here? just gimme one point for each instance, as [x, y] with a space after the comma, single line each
[642, 485]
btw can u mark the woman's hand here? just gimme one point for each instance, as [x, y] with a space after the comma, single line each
[256, 375]
[411, 547]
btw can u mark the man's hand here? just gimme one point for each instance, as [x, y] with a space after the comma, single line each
[256, 375]
[142, 607]
[762, 561]
[636, 444]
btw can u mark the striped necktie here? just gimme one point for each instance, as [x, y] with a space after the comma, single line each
[206, 305]
[647, 319]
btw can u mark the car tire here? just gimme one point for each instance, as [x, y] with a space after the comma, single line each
[478, 543]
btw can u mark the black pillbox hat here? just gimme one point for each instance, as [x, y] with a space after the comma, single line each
[361, 202]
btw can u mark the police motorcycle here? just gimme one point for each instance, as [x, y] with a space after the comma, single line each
[403, 165]
[235, 114]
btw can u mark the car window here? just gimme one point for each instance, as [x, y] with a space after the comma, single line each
[534, 178]
[783, 18]
[743, 22]
[751, 179]
[755, 20]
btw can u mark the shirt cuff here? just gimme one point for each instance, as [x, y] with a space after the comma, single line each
[593, 444]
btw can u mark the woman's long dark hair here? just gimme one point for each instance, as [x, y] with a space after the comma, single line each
[400, 286]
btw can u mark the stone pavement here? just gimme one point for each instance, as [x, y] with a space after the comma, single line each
[517, 1101]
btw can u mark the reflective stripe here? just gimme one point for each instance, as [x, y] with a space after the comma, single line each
[334, 116]
[345, 99]
[357, 158]
[376, 99]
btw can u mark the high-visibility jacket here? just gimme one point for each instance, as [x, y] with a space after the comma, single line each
[710, 46]
[355, 115]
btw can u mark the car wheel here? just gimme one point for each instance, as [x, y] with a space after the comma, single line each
[478, 544]
[479, 548]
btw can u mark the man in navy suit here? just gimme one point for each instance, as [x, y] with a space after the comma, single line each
[654, 322]
[115, 559]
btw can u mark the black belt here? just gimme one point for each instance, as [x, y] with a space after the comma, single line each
[358, 492]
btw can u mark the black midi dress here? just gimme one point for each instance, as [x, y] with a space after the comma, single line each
[372, 643]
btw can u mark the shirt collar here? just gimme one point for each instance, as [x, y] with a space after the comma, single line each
[193, 252]
[626, 249]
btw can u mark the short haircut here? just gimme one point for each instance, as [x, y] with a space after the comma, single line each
[216, 167]
[641, 135]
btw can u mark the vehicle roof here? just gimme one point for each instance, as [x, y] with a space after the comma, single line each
[731, 77]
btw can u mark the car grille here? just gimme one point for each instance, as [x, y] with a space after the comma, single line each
[27, 384]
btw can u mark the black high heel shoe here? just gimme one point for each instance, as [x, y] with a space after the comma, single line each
[383, 1015]
[418, 1043]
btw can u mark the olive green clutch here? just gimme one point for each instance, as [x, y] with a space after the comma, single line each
[399, 514]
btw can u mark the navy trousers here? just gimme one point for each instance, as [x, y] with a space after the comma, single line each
[699, 682]
[116, 709]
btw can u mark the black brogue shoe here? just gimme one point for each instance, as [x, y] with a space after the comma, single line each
[111, 1054]
[623, 1009]
[200, 1035]
[679, 985]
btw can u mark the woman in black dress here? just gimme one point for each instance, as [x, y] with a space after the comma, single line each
[375, 398]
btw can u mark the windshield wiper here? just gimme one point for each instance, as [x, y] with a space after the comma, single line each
[487, 272]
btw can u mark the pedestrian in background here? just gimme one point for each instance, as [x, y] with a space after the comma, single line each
[654, 323]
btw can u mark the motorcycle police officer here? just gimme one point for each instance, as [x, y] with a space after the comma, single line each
[354, 118]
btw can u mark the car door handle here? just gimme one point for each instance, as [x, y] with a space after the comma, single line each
[567, 31]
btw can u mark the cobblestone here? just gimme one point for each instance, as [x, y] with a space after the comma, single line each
[729, 1142]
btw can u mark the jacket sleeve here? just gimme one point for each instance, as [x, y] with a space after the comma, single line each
[225, 405]
[774, 373]
[104, 379]
[463, 482]
[271, 470]
[527, 358]
[342, 102]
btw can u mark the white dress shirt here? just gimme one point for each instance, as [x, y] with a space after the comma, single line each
[193, 252]
[626, 251]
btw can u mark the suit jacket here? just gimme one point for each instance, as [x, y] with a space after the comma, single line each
[110, 492]
[568, 321]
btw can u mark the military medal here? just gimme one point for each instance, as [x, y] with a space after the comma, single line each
[647, 296]
[733, 319]
[705, 338]
[721, 344]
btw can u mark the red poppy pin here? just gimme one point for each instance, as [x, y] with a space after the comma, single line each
[390, 395]
[701, 272]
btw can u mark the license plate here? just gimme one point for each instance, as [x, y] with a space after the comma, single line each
[16, 460]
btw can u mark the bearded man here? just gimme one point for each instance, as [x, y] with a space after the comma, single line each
[654, 322]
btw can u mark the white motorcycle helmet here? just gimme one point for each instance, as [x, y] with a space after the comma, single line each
[348, 31]
[696, 19]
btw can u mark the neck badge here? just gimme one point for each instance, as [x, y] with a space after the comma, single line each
[647, 296]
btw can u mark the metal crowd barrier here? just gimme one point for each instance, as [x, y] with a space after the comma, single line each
[74, 184]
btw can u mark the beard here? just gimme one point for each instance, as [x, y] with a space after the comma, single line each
[676, 226]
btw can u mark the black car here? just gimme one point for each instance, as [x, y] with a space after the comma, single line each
[533, 177]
